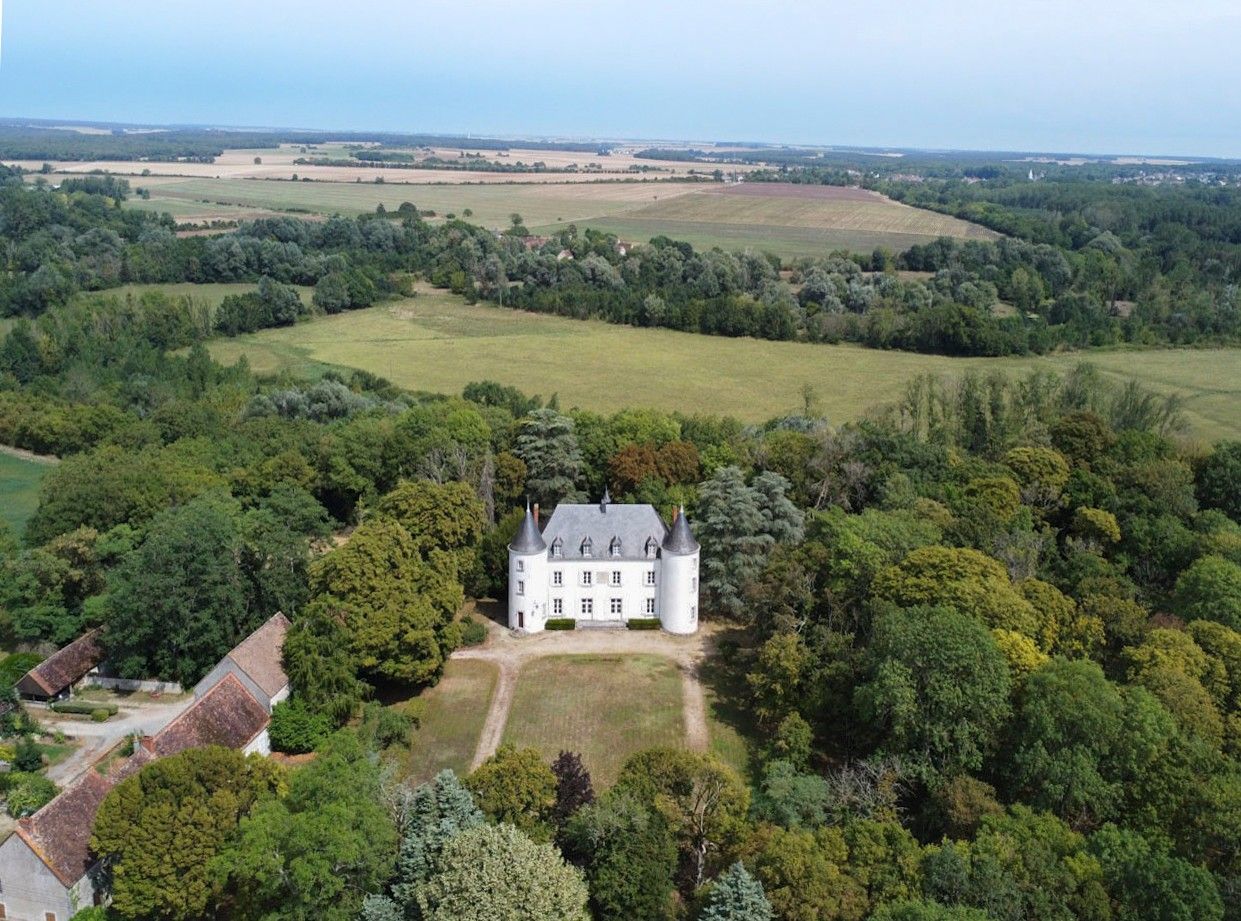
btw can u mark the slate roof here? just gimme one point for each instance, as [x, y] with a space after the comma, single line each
[528, 539]
[227, 715]
[680, 538]
[63, 668]
[260, 655]
[601, 522]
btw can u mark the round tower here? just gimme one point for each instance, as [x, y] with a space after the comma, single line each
[678, 578]
[527, 577]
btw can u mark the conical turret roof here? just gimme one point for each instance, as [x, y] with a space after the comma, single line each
[528, 539]
[680, 539]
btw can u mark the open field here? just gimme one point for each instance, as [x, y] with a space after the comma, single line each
[19, 488]
[455, 711]
[436, 342]
[605, 707]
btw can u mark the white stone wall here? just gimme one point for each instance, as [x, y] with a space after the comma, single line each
[678, 592]
[29, 890]
[528, 607]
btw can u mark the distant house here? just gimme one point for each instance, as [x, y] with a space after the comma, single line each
[565, 255]
[47, 871]
[55, 676]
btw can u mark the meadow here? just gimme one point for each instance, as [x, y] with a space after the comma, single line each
[19, 488]
[436, 342]
[604, 707]
[448, 731]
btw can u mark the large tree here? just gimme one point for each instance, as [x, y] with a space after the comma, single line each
[736, 896]
[515, 786]
[158, 830]
[548, 447]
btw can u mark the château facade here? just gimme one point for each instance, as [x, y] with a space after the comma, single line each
[608, 562]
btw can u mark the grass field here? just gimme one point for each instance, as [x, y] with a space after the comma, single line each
[456, 709]
[436, 342]
[786, 219]
[605, 707]
[19, 489]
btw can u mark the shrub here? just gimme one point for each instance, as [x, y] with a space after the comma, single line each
[473, 633]
[27, 757]
[643, 623]
[561, 623]
[296, 729]
[100, 714]
[83, 707]
[28, 793]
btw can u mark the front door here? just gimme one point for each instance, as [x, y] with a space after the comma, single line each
[521, 620]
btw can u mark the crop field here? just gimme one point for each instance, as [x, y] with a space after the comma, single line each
[605, 707]
[436, 342]
[455, 711]
[19, 489]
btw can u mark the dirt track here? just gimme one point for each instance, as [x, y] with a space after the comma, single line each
[510, 652]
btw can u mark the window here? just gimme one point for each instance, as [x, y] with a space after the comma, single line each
[558, 548]
[651, 546]
[650, 577]
[650, 606]
[588, 607]
[694, 584]
[588, 578]
[521, 565]
[557, 577]
[557, 607]
[586, 548]
[617, 607]
[614, 548]
[693, 613]
[616, 577]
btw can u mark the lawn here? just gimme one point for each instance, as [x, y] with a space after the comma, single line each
[604, 707]
[455, 711]
[436, 342]
[19, 489]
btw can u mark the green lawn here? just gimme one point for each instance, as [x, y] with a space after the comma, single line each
[436, 342]
[455, 711]
[19, 489]
[604, 707]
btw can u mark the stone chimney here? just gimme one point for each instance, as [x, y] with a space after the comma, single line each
[536, 513]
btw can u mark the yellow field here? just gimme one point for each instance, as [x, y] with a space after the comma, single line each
[436, 342]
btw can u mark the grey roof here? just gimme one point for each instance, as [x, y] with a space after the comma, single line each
[528, 539]
[632, 525]
[680, 538]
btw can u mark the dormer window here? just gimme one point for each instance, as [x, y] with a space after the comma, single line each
[651, 547]
[586, 548]
[614, 548]
[557, 548]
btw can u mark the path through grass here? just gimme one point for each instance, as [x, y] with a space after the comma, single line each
[455, 711]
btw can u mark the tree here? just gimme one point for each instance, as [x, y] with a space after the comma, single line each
[927, 911]
[736, 896]
[548, 447]
[778, 678]
[573, 787]
[158, 830]
[937, 690]
[320, 664]
[496, 873]
[1218, 483]
[1210, 589]
[1146, 883]
[296, 728]
[447, 517]
[804, 875]
[179, 602]
[629, 856]
[515, 786]
[312, 854]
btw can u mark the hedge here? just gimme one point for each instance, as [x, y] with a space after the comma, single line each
[562, 623]
[643, 623]
[83, 707]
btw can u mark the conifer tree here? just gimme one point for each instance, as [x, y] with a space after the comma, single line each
[736, 896]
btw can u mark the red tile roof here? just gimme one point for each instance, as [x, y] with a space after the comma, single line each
[227, 715]
[260, 655]
[64, 667]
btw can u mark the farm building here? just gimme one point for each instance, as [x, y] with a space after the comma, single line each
[55, 676]
[47, 871]
[603, 563]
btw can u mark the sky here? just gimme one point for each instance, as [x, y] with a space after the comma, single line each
[1086, 76]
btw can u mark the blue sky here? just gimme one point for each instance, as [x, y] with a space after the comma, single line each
[1131, 77]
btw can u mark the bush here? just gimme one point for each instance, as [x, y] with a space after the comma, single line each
[27, 757]
[643, 623]
[28, 793]
[100, 714]
[561, 623]
[296, 729]
[83, 707]
[473, 633]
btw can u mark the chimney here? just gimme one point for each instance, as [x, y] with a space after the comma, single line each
[676, 513]
[536, 513]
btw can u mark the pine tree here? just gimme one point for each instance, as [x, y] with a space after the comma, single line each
[736, 896]
[732, 529]
[548, 446]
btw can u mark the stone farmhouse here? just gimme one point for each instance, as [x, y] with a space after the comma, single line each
[54, 677]
[604, 563]
[47, 871]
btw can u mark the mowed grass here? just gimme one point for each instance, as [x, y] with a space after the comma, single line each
[19, 489]
[604, 707]
[455, 711]
[436, 342]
